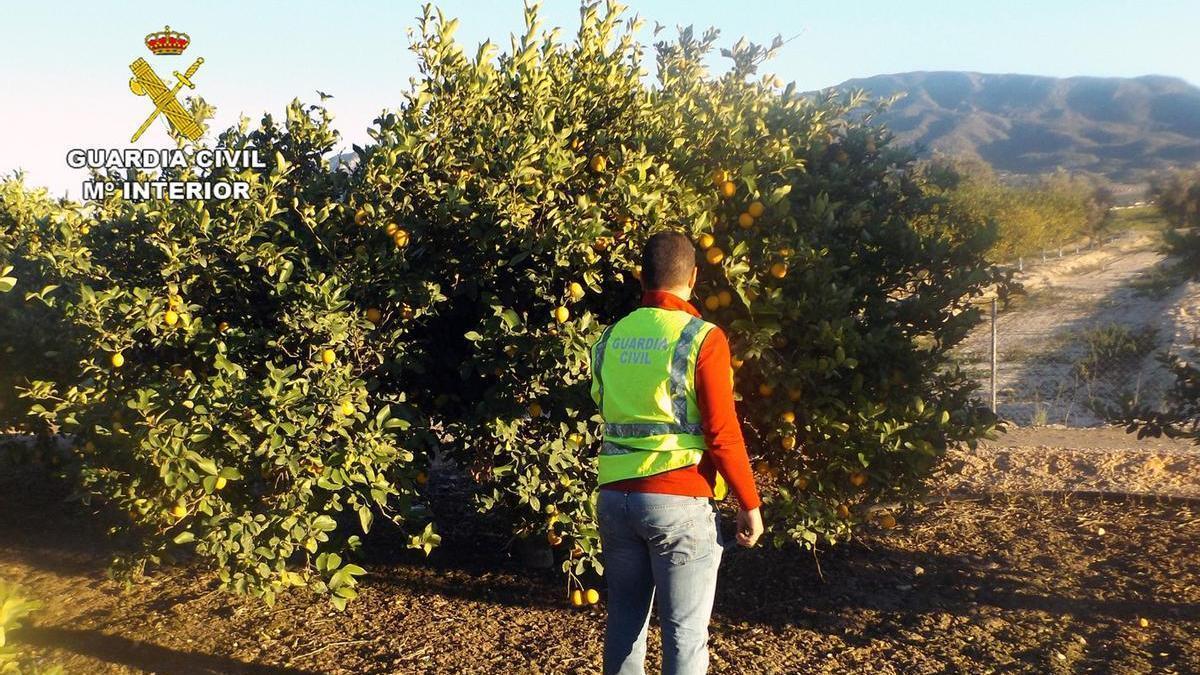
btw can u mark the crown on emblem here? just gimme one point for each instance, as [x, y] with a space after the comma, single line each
[167, 41]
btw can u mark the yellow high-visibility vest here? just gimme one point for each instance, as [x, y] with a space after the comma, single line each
[644, 381]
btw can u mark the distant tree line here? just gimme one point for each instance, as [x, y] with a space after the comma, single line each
[1031, 217]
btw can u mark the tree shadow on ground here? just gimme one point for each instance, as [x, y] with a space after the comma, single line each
[141, 655]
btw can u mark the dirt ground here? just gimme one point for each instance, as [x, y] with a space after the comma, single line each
[1024, 582]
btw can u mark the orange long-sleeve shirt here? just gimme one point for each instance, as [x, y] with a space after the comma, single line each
[726, 452]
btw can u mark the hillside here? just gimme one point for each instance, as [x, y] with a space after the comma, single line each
[1118, 127]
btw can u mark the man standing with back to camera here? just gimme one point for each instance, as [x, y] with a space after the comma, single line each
[663, 380]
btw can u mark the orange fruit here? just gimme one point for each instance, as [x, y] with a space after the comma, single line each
[765, 389]
[706, 241]
[575, 290]
[858, 478]
[787, 442]
[535, 410]
[794, 394]
[553, 538]
[391, 229]
[801, 483]
[360, 217]
[779, 270]
[719, 176]
[714, 255]
[755, 209]
[421, 478]
[843, 511]
[728, 189]
[592, 596]
[736, 362]
[787, 417]
[599, 163]
[407, 312]
[223, 326]
[374, 315]
[712, 303]
[1143, 622]
[328, 356]
[117, 360]
[401, 238]
[745, 221]
[725, 298]
[561, 314]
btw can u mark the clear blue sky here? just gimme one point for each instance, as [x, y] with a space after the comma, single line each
[64, 65]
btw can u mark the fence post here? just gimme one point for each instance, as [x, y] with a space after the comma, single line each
[1020, 263]
[993, 355]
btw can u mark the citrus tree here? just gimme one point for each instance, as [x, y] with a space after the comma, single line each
[526, 182]
[238, 388]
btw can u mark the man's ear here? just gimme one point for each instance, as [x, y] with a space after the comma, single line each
[695, 274]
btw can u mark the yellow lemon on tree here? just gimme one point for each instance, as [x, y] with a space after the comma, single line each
[575, 290]
[728, 189]
[360, 217]
[401, 238]
[745, 221]
[593, 596]
[117, 360]
[712, 303]
[787, 442]
[787, 417]
[706, 240]
[179, 511]
[577, 598]
[347, 408]
[328, 356]
[779, 270]
[391, 229]
[725, 298]
[561, 314]
[171, 317]
[221, 482]
[714, 256]
[755, 209]
[637, 273]
[599, 163]
[374, 315]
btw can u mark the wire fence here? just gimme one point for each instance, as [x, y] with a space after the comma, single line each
[1078, 349]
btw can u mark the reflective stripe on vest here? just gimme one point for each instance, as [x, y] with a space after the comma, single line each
[645, 432]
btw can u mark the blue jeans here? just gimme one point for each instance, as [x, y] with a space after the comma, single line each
[664, 547]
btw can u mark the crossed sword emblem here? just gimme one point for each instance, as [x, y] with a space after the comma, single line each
[146, 82]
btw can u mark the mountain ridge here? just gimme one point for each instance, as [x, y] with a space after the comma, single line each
[1123, 128]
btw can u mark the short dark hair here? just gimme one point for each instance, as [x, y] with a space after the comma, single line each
[667, 260]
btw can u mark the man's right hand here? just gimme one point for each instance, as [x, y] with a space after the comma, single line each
[749, 527]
